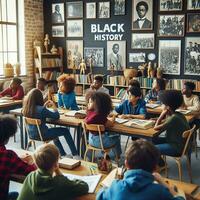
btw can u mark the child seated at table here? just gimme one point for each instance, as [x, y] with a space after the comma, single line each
[15, 90]
[41, 85]
[48, 182]
[66, 94]
[134, 107]
[139, 179]
[10, 163]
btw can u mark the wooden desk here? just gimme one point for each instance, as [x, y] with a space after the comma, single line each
[6, 105]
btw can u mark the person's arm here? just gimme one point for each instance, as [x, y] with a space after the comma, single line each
[50, 114]
[148, 96]
[60, 101]
[74, 105]
[119, 108]
[5, 92]
[196, 104]
[159, 123]
[110, 122]
[19, 94]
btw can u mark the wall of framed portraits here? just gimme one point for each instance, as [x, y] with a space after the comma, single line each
[118, 34]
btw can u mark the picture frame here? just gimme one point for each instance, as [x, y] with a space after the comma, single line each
[95, 56]
[170, 56]
[57, 13]
[91, 10]
[75, 28]
[119, 7]
[74, 53]
[142, 15]
[192, 56]
[171, 25]
[137, 57]
[58, 31]
[74, 9]
[116, 55]
[173, 5]
[193, 5]
[193, 22]
[104, 9]
[142, 40]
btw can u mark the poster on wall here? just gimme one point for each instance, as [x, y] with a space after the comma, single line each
[170, 56]
[57, 13]
[74, 9]
[137, 57]
[192, 56]
[193, 4]
[173, 5]
[116, 55]
[74, 53]
[58, 31]
[119, 7]
[193, 23]
[75, 28]
[142, 41]
[104, 9]
[142, 18]
[91, 10]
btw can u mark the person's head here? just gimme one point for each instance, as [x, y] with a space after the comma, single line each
[41, 83]
[70, 9]
[134, 94]
[98, 82]
[100, 102]
[115, 48]
[142, 9]
[188, 88]
[46, 157]
[172, 99]
[57, 8]
[32, 99]
[8, 128]
[142, 155]
[67, 85]
[159, 85]
[15, 83]
[133, 82]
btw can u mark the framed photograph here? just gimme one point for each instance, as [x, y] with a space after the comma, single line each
[104, 9]
[142, 41]
[94, 55]
[193, 4]
[193, 23]
[170, 56]
[58, 13]
[74, 53]
[116, 55]
[192, 56]
[137, 57]
[75, 28]
[91, 10]
[173, 5]
[119, 7]
[74, 9]
[142, 17]
[171, 25]
[58, 31]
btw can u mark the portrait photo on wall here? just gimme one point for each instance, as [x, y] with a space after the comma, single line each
[74, 53]
[192, 56]
[171, 25]
[142, 17]
[104, 9]
[193, 22]
[74, 9]
[119, 7]
[91, 10]
[170, 56]
[58, 31]
[58, 13]
[94, 56]
[137, 57]
[75, 28]
[193, 4]
[116, 55]
[173, 5]
[142, 41]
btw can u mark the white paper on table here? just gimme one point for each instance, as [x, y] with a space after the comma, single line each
[121, 121]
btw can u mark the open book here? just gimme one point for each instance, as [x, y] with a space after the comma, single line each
[183, 111]
[140, 123]
[92, 180]
[152, 105]
[121, 121]
[68, 163]
[72, 113]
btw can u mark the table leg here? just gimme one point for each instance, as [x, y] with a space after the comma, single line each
[78, 139]
[21, 132]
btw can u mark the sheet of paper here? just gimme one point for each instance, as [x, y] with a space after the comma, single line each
[152, 105]
[121, 121]
[184, 112]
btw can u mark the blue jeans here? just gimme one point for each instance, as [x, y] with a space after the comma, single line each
[12, 195]
[108, 140]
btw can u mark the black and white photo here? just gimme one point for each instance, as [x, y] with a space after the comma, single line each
[116, 55]
[74, 9]
[104, 9]
[193, 4]
[75, 28]
[171, 25]
[193, 23]
[192, 56]
[170, 56]
[58, 13]
[91, 10]
[170, 5]
[58, 31]
[94, 56]
[137, 57]
[119, 7]
[142, 17]
[142, 41]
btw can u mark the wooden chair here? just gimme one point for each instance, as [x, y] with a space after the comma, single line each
[99, 129]
[187, 135]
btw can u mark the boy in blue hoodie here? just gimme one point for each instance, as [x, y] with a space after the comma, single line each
[138, 183]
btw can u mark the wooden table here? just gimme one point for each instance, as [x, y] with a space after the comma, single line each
[9, 104]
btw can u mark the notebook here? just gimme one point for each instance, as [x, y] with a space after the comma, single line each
[140, 123]
[68, 163]
[72, 113]
[121, 121]
[152, 105]
[184, 112]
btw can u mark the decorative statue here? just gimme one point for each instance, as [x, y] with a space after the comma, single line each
[54, 50]
[159, 73]
[150, 69]
[74, 66]
[46, 43]
[112, 69]
[82, 67]
[90, 64]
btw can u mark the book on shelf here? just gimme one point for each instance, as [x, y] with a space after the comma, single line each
[51, 75]
[68, 163]
[140, 123]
